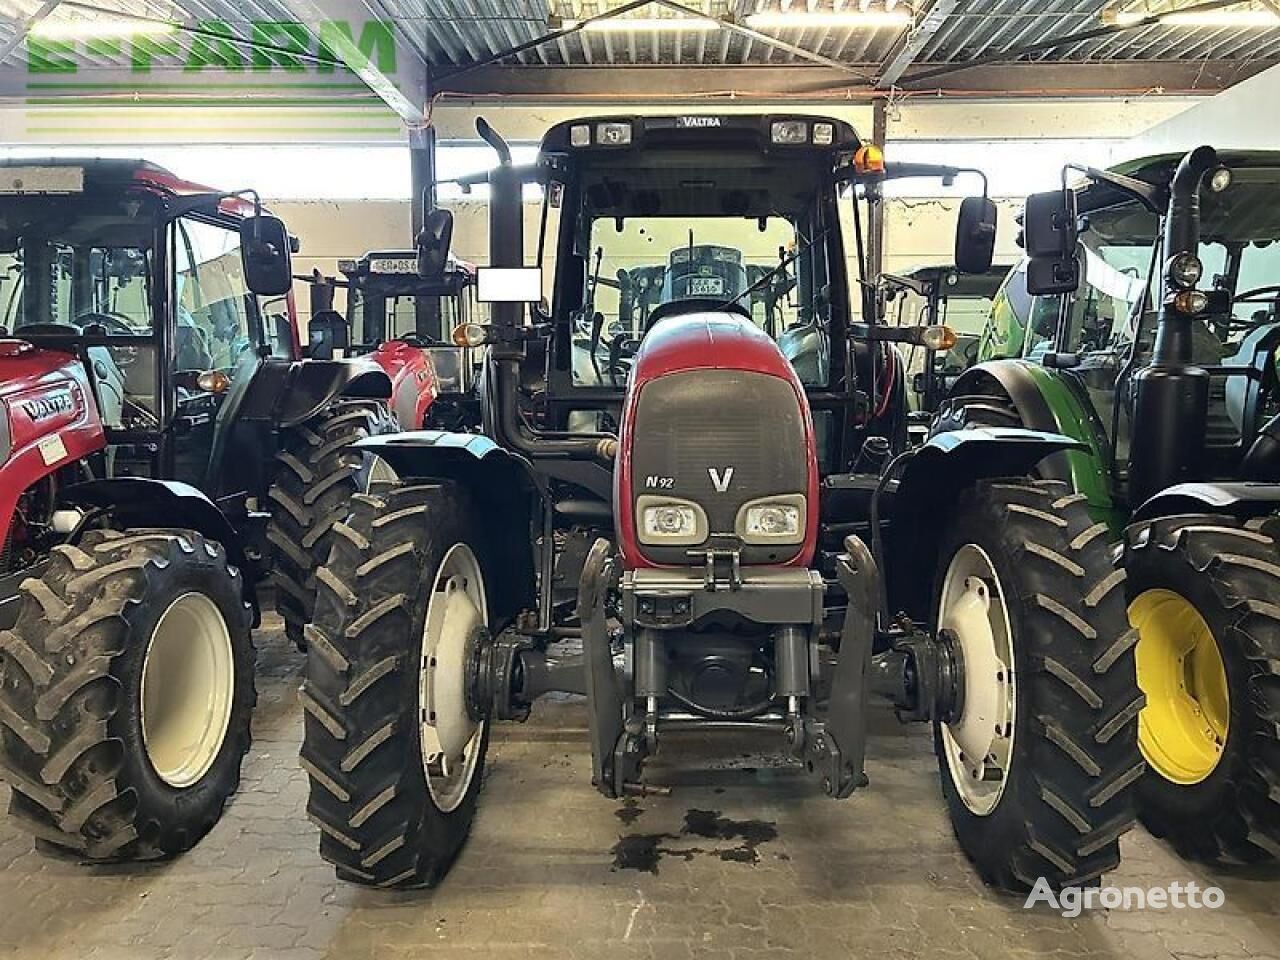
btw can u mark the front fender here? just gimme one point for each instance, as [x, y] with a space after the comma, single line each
[504, 489]
[143, 502]
[927, 490]
[1053, 401]
[1240, 500]
[313, 384]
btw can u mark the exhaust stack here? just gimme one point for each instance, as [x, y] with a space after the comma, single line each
[1171, 394]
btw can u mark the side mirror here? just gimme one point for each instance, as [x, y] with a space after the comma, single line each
[264, 253]
[327, 336]
[1049, 235]
[976, 235]
[433, 242]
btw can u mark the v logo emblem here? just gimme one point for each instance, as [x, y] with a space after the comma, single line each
[720, 482]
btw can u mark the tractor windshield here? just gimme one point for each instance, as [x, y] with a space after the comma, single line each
[738, 227]
[1240, 250]
[386, 308]
[69, 263]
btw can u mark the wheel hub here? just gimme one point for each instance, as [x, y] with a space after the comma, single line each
[976, 666]
[188, 684]
[450, 728]
[1183, 729]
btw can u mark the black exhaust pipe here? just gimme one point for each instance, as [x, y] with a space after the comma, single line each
[1171, 394]
[506, 249]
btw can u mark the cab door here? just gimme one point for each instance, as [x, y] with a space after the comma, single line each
[217, 337]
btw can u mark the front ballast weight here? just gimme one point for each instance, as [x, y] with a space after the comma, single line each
[624, 666]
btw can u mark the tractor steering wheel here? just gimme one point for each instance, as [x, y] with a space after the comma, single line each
[113, 322]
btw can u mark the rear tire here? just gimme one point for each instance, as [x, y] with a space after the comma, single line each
[317, 474]
[1223, 808]
[384, 821]
[102, 763]
[1026, 560]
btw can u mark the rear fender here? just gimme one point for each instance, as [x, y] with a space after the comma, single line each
[1243, 501]
[927, 490]
[287, 394]
[504, 489]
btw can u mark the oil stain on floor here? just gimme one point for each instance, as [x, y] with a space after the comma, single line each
[645, 851]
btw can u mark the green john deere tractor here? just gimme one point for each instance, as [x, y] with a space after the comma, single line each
[1145, 322]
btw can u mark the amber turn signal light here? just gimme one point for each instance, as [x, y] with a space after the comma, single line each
[213, 381]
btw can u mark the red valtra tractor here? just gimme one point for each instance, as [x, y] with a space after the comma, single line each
[166, 449]
[722, 530]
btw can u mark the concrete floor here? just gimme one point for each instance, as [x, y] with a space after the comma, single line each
[745, 859]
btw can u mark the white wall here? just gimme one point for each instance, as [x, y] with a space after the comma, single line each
[1241, 117]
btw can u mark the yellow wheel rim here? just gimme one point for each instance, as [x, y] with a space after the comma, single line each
[1183, 729]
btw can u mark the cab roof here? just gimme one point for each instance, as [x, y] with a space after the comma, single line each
[110, 174]
[728, 131]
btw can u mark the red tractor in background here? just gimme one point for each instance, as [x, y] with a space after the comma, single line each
[167, 449]
[401, 311]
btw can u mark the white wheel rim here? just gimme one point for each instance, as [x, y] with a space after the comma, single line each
[449, 737]
[979, 745]
[188, 684]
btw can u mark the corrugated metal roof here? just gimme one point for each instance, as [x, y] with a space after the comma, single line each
[460, 32]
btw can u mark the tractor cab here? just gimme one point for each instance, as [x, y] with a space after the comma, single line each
[404, 319]
[143, 276]
[940, 295]
[1099, 334]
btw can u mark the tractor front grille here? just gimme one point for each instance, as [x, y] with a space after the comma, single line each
[742, 431]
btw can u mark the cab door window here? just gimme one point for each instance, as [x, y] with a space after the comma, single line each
[216, 316]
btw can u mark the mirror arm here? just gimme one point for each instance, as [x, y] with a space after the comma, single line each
[1145, 193]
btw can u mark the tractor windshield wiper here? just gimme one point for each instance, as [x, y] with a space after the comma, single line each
[767, 278]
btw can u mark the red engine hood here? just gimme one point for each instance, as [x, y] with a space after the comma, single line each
[706, 341]
[709, 341]
[50, 419]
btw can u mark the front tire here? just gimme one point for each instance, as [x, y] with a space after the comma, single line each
[1040, 763]
[317, 474]
[1203, 594]
[393, 750]
[126, 690]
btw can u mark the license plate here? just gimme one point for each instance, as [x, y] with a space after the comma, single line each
[706, 286]
[393, 265]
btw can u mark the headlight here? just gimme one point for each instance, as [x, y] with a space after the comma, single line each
[1185, 270]
[664, 521]
[772, 520]
[789, 132]
[613, 134]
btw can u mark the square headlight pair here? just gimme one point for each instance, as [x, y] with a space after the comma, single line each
[608, 134]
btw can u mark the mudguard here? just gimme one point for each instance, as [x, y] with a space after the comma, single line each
[504, 489]
[288, 394]
[1240, 500]
[143, 502]
[926, 492]
[1053, 402]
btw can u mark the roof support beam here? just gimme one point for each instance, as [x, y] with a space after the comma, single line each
[407, 92]
[762, 84]
[22, 28]
[915, 42]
